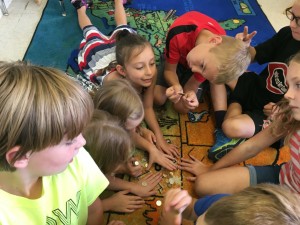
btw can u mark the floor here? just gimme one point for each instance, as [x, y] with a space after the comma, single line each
[17, 28]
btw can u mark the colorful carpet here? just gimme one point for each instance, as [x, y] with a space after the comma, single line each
[57, 36]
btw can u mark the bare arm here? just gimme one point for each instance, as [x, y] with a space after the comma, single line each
[152, 122]
[95, 213]
[247, 150]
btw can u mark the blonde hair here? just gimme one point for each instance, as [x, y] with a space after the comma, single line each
[233, 57]
[284, 123]
[266, 204]
[120, 99]
[39, 106]
[107, 142]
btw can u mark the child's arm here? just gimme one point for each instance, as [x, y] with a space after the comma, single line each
[122, 202]
[95, 213]
[176, 202]
[185, 98]
[151, 121]
[242, 152]
[151, 179]
[154, 154]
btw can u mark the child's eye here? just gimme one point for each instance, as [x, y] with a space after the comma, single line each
[139, 68]
[70, 142]
[298, 85]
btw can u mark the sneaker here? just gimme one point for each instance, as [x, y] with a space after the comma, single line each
[79, 3]
[223, 145]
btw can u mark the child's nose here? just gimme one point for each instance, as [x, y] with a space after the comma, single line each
[288, 94]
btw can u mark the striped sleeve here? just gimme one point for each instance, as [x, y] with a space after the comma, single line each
[290, 172]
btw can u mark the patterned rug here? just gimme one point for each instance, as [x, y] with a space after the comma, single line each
[193, 134]
[57, 36]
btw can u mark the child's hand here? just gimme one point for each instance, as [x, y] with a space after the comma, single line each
[156, 156]
[129, 168]
[193, 166]
[121, 202]
[147, 134]
[146, 186]
[270, 109]
[133, 169]
[167, 148]
[174, 93]
[175, 202]
[190, 100]
[245, 37]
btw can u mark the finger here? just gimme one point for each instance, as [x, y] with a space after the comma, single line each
[245, 32]
[192, 179]
[187, 160]
[194, 159]
[250, 36]
[149, 164]
[124, 192]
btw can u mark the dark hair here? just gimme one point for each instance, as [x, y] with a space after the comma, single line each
[129, 45]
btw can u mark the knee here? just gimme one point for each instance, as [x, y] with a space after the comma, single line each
[232, 128]
[202, 186]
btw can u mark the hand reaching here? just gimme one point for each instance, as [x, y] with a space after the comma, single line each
[193, 166]
[147, 134]
[129, 168]
[134, 170]
[175, 202]
[270, 110]
[156, 156]
[167, 148]
[190, 100]
[146, 185]
[122, 202]
[245, 37]
[174, 93]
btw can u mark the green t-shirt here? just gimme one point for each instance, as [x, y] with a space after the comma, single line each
[65, 198]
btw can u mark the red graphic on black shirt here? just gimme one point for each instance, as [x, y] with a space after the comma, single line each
[276, 82]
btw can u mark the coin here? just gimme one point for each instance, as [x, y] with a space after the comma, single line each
[158, 202]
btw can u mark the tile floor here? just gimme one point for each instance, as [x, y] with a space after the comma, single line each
[17, 28]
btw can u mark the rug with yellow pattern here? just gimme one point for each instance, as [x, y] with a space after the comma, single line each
[193, 134]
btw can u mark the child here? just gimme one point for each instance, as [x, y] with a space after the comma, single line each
[197, 49]
[262, 204]
[233, 179]
[46, 177]
[120, 99]
[253, 98]
[110, 146]
[96, 50]
[136, 61]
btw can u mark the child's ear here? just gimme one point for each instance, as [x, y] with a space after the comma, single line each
[216, 39]
[20, 163]
[120, 70]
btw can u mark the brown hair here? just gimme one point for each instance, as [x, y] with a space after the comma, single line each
[120, 99]
[234, 58]
[266, 204]
[39, 106]
[107, 142]
[128, 46]
[284, 123]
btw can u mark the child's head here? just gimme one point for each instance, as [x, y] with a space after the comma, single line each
[40, 107]
[120, 99]
[135, 59]
[262, 204]
[107, 142]
[288, 118]
[221, 60]
[293, 13]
